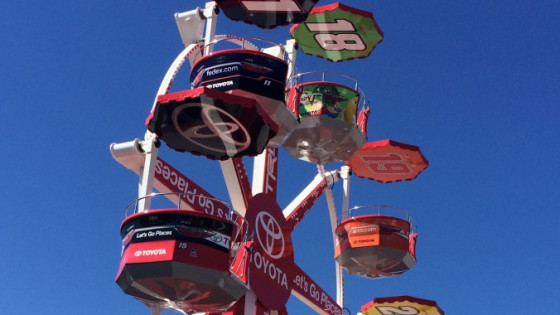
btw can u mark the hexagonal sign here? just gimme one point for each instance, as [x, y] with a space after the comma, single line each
[401, 305]
[267, 13]
[388, 161]
[338, 32]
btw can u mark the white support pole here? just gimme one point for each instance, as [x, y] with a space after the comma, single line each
[345, 174]
[333, 219]
[250, 302]
[330, 204]
[291, 52]
[233, 186]
[265, 172]
[148, 171]
[211, 19]
[330, 177]
[156, 311]
[259, 171]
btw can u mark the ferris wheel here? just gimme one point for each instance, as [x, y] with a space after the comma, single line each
[198, 254]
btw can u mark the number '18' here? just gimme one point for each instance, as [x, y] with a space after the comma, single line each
[342, 41]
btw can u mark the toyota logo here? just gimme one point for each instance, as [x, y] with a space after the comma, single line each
[217, 124]
[269, 235]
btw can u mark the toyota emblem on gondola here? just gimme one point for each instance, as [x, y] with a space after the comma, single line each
[269, 235]
[218, 124]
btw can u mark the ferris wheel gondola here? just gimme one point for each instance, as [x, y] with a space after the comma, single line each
[327, 105]
[181, 259]
[377, 244]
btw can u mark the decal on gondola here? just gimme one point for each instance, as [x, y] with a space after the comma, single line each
[267, 13]
[251, 71]
[328, 130]
[338, 32]
[376, 245]
[212, 123]
[178, 259]
[326, 99]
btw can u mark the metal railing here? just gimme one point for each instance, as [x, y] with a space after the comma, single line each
[386, 210]
[247, 43]
[329, 77]
[324, 76]
[239, 235]
[181, 204]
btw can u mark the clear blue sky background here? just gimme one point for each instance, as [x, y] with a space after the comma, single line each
[474, 83]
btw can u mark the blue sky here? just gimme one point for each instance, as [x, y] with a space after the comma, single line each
[474, 84]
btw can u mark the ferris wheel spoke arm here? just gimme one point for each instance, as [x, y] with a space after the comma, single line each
[345, 175]
[311, 294]
[333, 221]
[167, 180]
[211, 14]
[291, 51]
[339, 284]
[237, 184]
[150, 147]
[330, 203]
[265, 172]
[299, 207]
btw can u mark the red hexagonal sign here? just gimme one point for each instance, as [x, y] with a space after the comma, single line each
[388, 161]
[401, 305]
[267, 13]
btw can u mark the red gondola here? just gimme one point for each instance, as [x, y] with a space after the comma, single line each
[241, 69]
[181, 259]
[376, 245]
[327, 109]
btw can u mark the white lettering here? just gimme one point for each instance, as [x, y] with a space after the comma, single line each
[220, 84]
[270, 270]
[163, 233]
[176, 182]
[314, 293]
[301, 282]
[150, 252]
[270, 171]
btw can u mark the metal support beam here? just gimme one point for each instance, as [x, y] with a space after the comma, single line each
[333, 221]
[345, 174]
[234, 186]
[150, 147]
[291, 50]
[265, 172]
[299, 207]
[210, 12]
